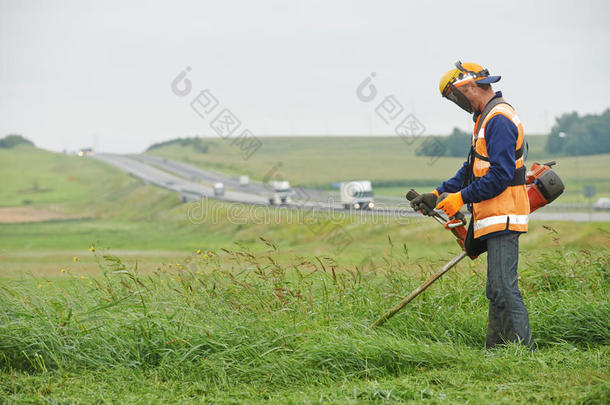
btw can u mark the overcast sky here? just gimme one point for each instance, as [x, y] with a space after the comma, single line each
[99, 73]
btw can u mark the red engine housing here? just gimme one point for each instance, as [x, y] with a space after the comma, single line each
[536, 198]
[543, 185]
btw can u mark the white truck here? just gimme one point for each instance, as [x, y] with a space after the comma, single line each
[244, 181]
[219, 189]
[357, 195]
[280, 192]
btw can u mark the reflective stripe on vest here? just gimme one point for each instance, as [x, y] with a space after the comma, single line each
[511, 207]
[501, 219]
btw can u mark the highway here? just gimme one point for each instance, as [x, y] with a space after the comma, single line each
[209, 176]
[193, 183]
[189, 190]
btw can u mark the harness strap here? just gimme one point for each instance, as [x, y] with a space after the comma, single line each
[518, 153]
[486, 111]
[518, 178]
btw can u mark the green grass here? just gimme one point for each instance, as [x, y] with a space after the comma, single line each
[44, 248]
[36, 176]
[145, 319]
[388, 161]
[298, 330]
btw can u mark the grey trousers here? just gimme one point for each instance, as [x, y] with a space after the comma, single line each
[508, 318]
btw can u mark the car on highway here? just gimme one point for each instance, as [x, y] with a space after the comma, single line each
[85, 152]
[602, 204]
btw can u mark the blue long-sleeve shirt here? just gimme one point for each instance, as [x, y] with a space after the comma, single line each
[500, 139]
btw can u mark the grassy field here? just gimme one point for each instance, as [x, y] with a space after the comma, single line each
[138, 298]
[39, 177]
[388, 161]
[262, 329]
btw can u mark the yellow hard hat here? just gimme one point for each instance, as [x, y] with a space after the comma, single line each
[464, 73]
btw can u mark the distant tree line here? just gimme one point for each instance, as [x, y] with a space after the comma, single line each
[571, 135]
[455, 145]
[576, 135]
[10, 141]
[194, 142]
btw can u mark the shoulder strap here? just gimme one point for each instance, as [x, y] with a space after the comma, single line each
[519, 176]
[486, 111]
[490, 106]
[518, 153]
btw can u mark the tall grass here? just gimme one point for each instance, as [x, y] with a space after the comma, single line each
[277, 323]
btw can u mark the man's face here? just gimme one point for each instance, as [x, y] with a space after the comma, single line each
[464, 96]
[469, 90]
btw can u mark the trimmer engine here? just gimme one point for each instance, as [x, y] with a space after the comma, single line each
[543, 185]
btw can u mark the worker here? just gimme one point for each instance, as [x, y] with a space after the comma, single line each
[492, 184]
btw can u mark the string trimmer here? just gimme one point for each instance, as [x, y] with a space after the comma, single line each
[543, 186]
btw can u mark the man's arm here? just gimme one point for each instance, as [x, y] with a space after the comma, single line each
[501, 139]
[454, 184]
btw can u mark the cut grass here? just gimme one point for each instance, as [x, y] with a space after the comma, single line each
[484, 380]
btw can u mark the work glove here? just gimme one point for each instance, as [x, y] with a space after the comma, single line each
[451, 203]
[425, 203]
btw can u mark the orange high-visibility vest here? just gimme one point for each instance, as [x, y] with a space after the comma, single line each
[510, 209]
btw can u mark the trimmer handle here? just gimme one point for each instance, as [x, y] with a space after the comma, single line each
[411, 194]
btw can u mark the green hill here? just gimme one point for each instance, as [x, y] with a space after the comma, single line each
[36, 176]
[10, 141]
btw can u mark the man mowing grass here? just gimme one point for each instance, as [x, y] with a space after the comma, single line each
[492, 184]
